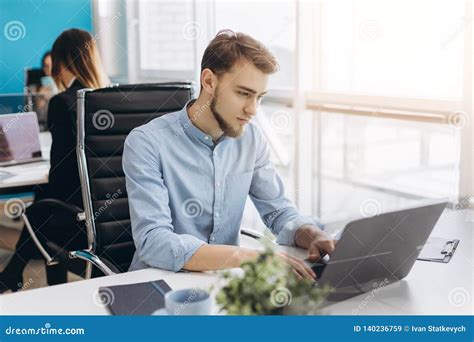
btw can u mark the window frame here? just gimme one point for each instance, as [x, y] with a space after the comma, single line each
[305, 102]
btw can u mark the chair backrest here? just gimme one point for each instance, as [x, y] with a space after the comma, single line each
[33, 77]
[105, 118]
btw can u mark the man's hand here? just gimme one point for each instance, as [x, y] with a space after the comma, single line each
[317, 242]
[298, 266]
[217, 257]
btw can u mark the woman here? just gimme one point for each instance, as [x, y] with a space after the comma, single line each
[45, 91]
[75, 65]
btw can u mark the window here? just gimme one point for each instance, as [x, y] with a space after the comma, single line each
[166, 35]
[393, 48]
[272, 24]
[387, 96]
[390, 162]
[363, 106]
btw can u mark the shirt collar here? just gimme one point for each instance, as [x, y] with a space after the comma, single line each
[192, 131]
[71, 82]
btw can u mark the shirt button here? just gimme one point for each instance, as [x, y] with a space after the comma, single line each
[218, 183]
[217, 215]
[206, 138]
[215, 154]
[212, 238]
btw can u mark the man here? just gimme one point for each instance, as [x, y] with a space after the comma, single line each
[189, 173]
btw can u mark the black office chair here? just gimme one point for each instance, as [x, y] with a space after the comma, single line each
[34, 100]
[54, 215]
[104, 119]
[33, 78]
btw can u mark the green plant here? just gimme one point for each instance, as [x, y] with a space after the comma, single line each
[268, 287]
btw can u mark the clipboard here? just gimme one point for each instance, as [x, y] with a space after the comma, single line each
[438, 249]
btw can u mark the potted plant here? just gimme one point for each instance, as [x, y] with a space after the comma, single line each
[268, 287]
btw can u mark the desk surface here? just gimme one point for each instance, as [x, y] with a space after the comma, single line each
[29, 175]
[429, 289]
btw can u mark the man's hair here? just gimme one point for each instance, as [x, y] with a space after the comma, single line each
[228, 47]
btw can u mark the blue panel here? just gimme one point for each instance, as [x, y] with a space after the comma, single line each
[28, 29]
[236, 328]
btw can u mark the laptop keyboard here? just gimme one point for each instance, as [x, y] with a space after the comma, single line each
[318, 268]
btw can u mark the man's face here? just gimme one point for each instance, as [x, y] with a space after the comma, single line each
[237, 97]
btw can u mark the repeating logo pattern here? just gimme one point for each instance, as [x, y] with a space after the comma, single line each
[14, 30]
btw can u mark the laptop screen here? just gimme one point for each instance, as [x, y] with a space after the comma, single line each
[30, 102]
[19, 138]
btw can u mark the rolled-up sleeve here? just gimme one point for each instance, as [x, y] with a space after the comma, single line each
[157, 243]
[267, 193]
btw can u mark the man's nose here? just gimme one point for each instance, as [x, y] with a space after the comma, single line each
[251, 108]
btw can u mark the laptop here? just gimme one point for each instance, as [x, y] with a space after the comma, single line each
[376, 251]
[19, 139]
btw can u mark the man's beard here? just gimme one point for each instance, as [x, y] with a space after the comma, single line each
[228, 130]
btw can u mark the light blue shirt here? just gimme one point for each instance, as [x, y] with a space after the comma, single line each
[185, 191]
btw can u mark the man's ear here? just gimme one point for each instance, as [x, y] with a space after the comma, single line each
[208, 81]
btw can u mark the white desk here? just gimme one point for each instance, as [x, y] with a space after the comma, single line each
[28, 175]
[429, 289]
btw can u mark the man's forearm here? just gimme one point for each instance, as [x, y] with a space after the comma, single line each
[306, 234]
[218, 257]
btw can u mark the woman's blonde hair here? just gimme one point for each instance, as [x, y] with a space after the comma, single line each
[76, 51]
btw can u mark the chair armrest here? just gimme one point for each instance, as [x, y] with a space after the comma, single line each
[255, 234]
[54, 203]
[49, 260]
[46, 204]
[90, 257]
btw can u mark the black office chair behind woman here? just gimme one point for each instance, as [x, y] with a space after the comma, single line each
[76, 65]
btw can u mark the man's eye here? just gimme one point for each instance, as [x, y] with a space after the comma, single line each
[243, 93]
